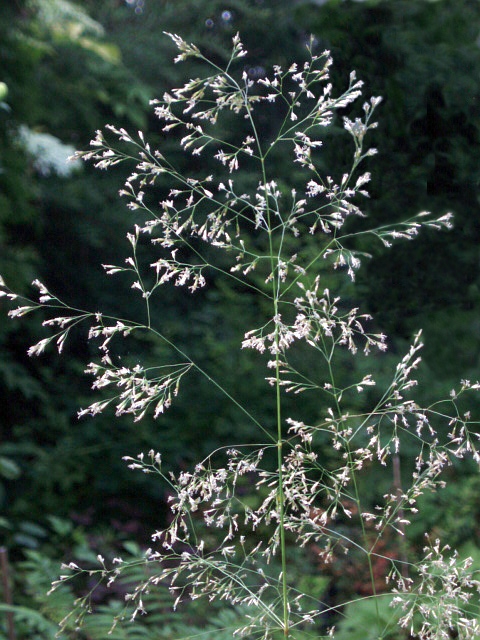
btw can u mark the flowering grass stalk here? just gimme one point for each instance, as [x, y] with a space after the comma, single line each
[280, 241]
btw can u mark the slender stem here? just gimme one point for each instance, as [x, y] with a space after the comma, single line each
[146, 293]
[7, 593]
[355, 488]
[281, 495]
[276, 297]
[209, 378]
[84, 315]
[397, 483]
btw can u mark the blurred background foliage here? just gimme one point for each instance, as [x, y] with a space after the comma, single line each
[67, 69]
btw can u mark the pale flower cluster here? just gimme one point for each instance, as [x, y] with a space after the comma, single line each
[240, 515]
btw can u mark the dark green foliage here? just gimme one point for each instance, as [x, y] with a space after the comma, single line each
[423, 58]
[370, 620]
[38, 616]
[47, 229]
[451, 513]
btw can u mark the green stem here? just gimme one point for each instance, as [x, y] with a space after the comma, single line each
[281, 501]
[356, 492]
[275, 298]
[278, 400]
[210, 379]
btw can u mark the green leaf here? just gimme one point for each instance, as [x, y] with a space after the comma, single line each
[9, 469]
[369, 619]
[107, 51]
